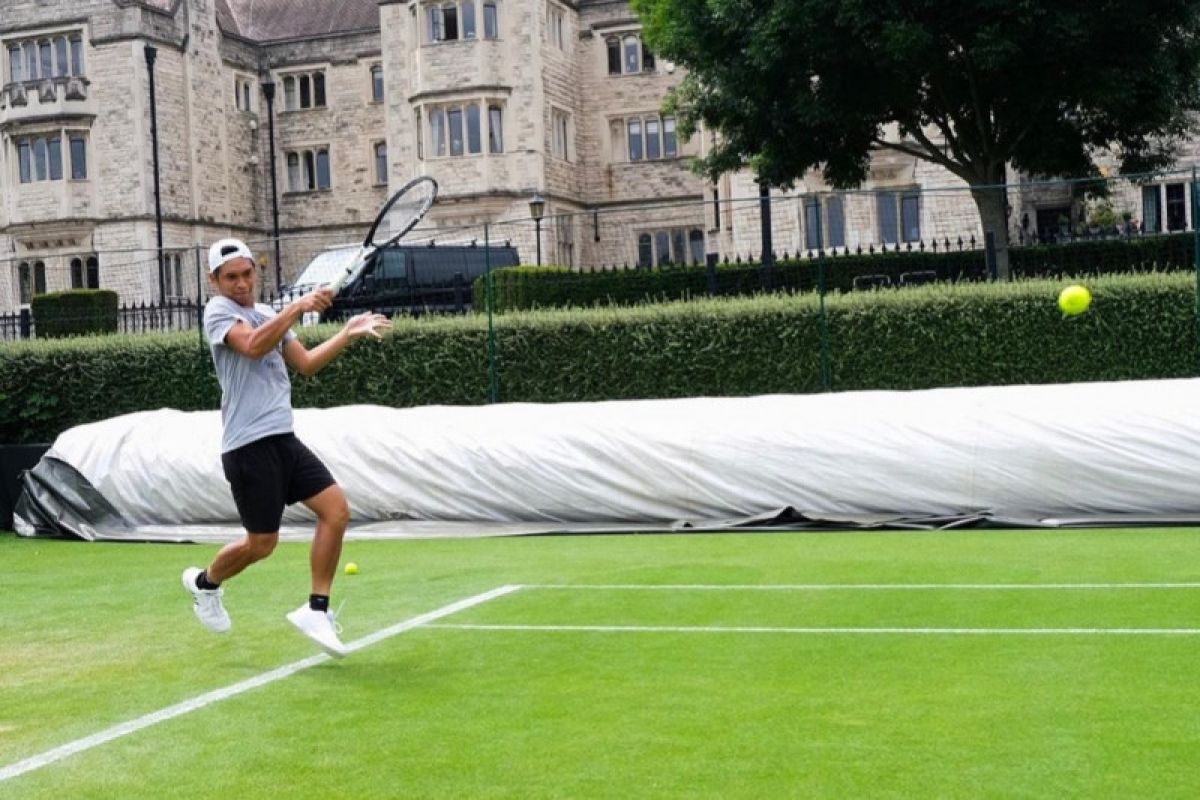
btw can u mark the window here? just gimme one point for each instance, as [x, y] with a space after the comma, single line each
[495, 130]
[40, 158]
[304, 90]
[24, 283]
[670, 146]
[308, 170]
[85, 273]
[468, 20]
[420, 134]
[557, 27]
[899, 216]
[560, 124]
[457, 130]
[39, 277]
[377, 83]
[1151, 212]
[835, 216]
[454, 117]
[564, 231]
[812, 224]
[650, 138]
[78, 158]
[172, 276]
[1176, 208]
[675, 246]
[437, 131]
[243, 93]
[58, 55]
[635, 139]
[381, 162]
[824, 222]
[628, 55]
[490, 23]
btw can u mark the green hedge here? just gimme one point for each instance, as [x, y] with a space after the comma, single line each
[75, 313]
[1139, 327]
[557, 287]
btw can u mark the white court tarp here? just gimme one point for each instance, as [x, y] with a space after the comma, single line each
[1028, 452]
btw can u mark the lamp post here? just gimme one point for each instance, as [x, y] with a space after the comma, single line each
[151, 53]
[268, 89]
[537, 207]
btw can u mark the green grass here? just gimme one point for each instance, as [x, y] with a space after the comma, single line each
[92, 635]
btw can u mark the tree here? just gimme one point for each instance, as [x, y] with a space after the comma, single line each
[973, 85]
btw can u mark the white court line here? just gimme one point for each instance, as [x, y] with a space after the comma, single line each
[208, 698]
[825, 587]
[839, 631]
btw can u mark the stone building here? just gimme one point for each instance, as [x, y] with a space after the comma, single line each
[303, 116]
[498, 100]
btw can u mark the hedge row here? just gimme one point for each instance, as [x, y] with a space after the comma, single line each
[75, 313]
[1140, 326]
[558, 287]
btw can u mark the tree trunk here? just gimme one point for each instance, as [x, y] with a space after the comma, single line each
[990, 199]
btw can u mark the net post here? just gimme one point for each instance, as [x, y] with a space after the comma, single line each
[1196, 250]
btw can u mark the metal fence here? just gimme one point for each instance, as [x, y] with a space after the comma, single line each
[897, 236]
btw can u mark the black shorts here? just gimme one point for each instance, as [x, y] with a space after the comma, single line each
[270, 473]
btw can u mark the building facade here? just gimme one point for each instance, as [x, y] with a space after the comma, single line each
[498, 100]
[207, 118]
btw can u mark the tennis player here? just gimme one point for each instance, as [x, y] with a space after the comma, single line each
[266, 465]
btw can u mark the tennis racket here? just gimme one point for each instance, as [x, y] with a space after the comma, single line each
[399, 215]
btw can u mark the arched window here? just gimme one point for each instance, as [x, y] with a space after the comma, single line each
[77, 273]
[24, 283]
[632, 47]
[39, 277]
[377, 83]
[93, 272]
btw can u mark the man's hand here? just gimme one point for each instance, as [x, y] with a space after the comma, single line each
[367, 324]
[317, 300]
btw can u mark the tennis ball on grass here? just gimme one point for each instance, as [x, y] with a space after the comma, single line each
[1074, 300]
[352, 568]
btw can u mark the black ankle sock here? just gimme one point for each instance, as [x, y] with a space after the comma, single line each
[318, 602]
[202, 582]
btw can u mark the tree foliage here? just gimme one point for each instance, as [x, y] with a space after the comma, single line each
[973, 85]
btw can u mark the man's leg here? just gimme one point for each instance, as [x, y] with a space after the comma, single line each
[236, 556]
[333, 515]
[313, 619]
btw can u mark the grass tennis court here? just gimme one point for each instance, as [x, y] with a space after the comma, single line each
[881, 664]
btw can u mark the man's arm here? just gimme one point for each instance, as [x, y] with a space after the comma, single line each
[310, 362]
[257, 342]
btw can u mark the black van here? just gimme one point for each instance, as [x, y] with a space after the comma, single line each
[417, 279]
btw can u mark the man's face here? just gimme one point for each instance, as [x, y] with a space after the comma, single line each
[236, 279]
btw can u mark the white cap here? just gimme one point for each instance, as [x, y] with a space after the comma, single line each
[226, 250]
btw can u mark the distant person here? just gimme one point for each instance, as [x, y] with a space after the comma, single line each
[266, 465]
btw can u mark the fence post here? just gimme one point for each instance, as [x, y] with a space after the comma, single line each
[710, 273]
[26, 323]
[989, 254]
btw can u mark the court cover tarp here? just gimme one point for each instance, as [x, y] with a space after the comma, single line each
[1096, 453]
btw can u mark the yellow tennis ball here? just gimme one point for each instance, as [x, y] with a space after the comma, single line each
[352, 568]
[1074, 300]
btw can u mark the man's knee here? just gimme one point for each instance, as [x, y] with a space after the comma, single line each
[337, 513]
[262, 544]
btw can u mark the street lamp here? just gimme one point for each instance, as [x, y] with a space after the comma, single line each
[268, 90]
[537, 207]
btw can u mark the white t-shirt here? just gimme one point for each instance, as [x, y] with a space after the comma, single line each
[256, 395]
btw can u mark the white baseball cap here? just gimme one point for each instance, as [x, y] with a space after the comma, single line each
[226, 250]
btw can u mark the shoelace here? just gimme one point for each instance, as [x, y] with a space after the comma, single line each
[333, 618]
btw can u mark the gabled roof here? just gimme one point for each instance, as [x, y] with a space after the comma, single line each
[276, 20]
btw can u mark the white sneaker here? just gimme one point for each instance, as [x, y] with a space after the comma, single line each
[206, 603]
[321, 627]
